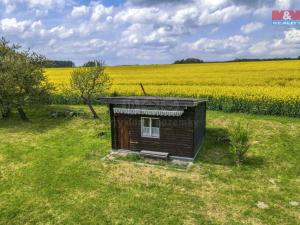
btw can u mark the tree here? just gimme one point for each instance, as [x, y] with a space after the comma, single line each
[5, 85]
[90, 82]
[92, 63]
[188, 61]
[5, 104]
[22, 79]
[59, 64]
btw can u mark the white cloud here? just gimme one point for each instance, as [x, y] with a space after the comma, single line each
[93, 18]
[142, 36]
[179, 19]
[61, 32]
[259, 48]
[40, 7]
[141, 15]
[222, 16]
[251, 27]
[189, 14]
[91, 45]
[204, 3]
[283, 4]
[36, 25]
[212, 5]
[87, 28]
[263, 11]
[264, 8]
[184, 14]
[80, 11]
[292, 36]
[99, 11]
[12, 25]
[45, 3]
[288, 44]
[235, 44]
[90, 48]
[23, 29]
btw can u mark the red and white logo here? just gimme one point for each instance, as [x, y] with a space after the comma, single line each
[286, 15]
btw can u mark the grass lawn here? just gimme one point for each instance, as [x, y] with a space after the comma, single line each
[51, 172]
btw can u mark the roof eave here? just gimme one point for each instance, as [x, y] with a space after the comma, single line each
[149, 102]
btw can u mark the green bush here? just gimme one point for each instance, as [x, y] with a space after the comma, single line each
[239, 142]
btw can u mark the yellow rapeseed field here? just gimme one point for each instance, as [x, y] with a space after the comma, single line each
[273, 79]
[270, 81]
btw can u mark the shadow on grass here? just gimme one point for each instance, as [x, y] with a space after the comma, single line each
[215, 150]
[39, 120]
[254, 161]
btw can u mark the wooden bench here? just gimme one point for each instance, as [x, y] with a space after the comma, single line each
[153, 154]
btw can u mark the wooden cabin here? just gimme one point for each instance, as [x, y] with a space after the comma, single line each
[157, 124]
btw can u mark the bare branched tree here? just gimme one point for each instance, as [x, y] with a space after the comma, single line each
[90, 82]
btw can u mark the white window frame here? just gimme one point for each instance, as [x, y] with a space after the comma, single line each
[150, 126]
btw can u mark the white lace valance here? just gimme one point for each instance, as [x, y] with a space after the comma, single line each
[150, 112]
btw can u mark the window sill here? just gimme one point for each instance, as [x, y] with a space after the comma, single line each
[150, 137]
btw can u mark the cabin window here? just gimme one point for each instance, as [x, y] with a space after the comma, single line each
[150, 127]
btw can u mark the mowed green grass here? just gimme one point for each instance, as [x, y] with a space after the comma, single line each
[51, 172]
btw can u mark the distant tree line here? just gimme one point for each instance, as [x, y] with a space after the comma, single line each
[68, 63]
[188, 61]
[268, 59]
[195, 60]
[59, 63]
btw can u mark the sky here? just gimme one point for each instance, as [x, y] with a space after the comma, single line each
[123, 32]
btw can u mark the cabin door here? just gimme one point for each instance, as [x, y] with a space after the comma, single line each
[123, 135]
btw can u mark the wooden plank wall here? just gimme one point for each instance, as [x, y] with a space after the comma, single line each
[113, 128]
[199, 125]
[176, 135]
[180, 136]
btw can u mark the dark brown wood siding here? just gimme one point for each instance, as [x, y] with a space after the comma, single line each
[180, 136]
[113, 128]
[199, 125]
[176, 134]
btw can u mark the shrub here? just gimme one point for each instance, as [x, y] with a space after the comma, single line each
[239, 142]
